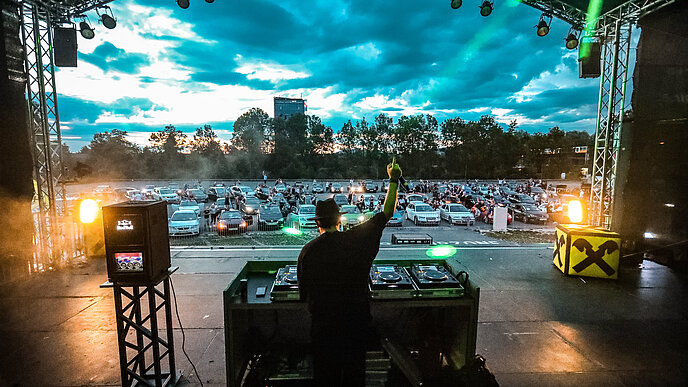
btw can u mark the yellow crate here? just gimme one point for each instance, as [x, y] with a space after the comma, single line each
[587, 251]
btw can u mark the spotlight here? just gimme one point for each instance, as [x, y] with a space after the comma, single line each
[456, 4]
[108, 21]
[572, 39]
[85, 30]
[486, 8]
[184, 4]
[543, 25]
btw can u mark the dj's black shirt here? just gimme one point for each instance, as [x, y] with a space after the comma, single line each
[333, 268]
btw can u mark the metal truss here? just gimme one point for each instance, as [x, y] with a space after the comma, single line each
[141, 349]
[610, 114]
[559, 9]
[46, 140]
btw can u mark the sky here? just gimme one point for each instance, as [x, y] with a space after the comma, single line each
[350, 59]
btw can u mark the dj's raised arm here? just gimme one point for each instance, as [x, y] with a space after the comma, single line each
[394, 172]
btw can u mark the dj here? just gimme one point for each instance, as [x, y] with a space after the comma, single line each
[333, 278]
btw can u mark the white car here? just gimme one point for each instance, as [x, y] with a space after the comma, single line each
[300, 218]
[166, 194]
[242, 190]
[184, 222]
[187, 205]
[422, 213]
[455, 213]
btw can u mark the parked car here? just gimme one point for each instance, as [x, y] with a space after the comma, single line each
[249, 205]
[231, 220]
[538, 194]
[366, 199]
[520, 198]
[166, 194]
[299, 218]
[414, 198]
[269, 215]
[336, 188]
[369, 186]
[184, 222]
[456, 214]
[352, 216]
[317, 188]
[340, 199]
[198, 194]
[187, 205]
[216, 192]
[262, 193]
[224, 203]
[280, 187]
[397, 219]
[527, 213]
[421, 213]
[242, 191]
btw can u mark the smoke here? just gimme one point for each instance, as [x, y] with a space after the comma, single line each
[16, 240]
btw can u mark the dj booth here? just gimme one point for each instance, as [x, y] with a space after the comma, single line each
[425, 314]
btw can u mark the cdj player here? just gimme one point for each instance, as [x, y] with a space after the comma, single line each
[390, 281]
[286, 285]
[436, 281]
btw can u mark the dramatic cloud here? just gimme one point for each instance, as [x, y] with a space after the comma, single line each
[351, 59]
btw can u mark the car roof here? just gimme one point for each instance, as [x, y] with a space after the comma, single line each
[185, 211]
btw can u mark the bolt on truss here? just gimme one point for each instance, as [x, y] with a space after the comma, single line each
[46, 140]
[616, 42]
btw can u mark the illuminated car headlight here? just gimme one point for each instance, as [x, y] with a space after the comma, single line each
[360, 218]
[343, 219]
[249, 208]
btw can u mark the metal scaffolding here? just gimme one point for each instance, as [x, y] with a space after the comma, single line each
[610, 114]
[44, 124]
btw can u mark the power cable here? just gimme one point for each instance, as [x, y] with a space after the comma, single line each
[179, 320]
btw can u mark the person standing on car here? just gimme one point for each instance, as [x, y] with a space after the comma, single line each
[333, 273]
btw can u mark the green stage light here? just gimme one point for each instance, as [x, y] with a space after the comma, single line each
[441, 251]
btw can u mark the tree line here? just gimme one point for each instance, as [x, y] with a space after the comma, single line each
[303, 147]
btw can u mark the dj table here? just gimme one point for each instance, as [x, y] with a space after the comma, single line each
[420, 324]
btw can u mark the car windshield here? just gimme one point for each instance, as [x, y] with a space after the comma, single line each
[457, 208]
[244, 188]
[270, 210]
[183, 216]
[188, 203]
[280, 185]
[252, 202]
[529, 207]
[423, 208]
[307, 210]
[350, 209]
[220, 190]
[166, 191]
[415, 198]
[230, 215]
[536, 190]
[220, 202]
[196, 192]
[340, 197]
[336, 185]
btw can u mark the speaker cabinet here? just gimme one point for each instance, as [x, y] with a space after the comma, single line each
[589, 66]
[64, 41]
[137, 246]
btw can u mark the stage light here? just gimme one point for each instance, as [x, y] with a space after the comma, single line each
[456, 4]
[292, 231]
[184, 4]
[486, 8]
[543, 25]
[108, 21]
[85, 30]
[441, 251]
[575, 211]
[88, 211]
[572, 39]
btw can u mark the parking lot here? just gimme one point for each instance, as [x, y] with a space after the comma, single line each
[252, 233]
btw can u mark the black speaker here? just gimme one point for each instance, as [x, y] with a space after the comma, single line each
[64, 42]
[589, 66]
[137, 246]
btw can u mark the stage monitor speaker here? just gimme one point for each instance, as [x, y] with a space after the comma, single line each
[64, 41]
[137, 246]
[589, 66]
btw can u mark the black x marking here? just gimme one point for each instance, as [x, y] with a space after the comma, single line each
[557, 252]
[595, 256]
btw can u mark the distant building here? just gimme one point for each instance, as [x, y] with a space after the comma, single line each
[287, 107]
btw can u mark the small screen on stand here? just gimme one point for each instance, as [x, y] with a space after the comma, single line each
[129, 262]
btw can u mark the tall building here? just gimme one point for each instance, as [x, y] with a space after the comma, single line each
[287, 107]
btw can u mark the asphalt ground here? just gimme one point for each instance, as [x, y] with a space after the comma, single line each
[536, 327]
